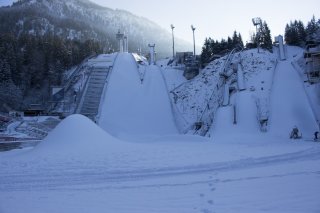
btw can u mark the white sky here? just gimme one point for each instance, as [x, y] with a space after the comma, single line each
[217, 18]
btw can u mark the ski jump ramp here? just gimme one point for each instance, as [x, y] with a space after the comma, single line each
[131, 108]
[289, 104]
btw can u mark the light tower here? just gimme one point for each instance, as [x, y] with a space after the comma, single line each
[257, 22]
[194, 44]
[172, 27]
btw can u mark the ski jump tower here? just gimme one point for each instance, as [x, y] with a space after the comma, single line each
[279, 40]
[123, 42]
[152, 53]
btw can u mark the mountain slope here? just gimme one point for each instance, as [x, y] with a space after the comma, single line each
[81, 20]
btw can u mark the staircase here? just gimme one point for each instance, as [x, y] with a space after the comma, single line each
[90, 101]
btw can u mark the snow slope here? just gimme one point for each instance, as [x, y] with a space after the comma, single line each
[246, 119]
[135, 109]
[289, 103]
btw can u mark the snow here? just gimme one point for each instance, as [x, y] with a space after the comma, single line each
[135, 161]
[135, 108]
[246, 121]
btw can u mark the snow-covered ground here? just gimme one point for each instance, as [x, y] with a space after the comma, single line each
[81, 167]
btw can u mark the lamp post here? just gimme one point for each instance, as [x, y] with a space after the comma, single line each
[172, 27]
[194, 44]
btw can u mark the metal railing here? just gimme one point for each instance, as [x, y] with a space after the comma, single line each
[105, 88]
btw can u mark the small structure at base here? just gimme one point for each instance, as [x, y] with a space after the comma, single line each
[34, 110]
[181, 57]
[191, 67]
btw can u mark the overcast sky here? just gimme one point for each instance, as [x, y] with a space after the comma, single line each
[218, 18]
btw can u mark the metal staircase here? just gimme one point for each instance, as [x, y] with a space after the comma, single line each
[90, 101]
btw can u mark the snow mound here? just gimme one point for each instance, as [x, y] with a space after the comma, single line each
[76, 134]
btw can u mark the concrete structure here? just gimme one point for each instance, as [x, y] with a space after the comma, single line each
[125, 44]
[152, 53]
[123, 41]
[279, 41]
[182, 56]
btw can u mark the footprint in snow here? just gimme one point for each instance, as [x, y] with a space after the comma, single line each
[210, 202]
[206, 211]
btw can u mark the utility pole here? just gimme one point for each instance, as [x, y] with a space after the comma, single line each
[172, 27]
[194, 44]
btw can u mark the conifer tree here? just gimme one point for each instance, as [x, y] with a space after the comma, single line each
[206, 50]
[312, 30]
[266, 41]
[302, 35]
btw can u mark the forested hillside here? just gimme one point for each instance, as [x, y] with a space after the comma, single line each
[40, 39]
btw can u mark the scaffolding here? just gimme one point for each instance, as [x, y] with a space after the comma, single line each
[312, 56]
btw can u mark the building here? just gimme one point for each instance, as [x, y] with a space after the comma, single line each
[34, 110]
[181, 57]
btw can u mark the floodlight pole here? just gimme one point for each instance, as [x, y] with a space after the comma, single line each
[172, 27]
[257, 22]
[194, 44]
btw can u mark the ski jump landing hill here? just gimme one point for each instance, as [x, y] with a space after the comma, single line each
[130, 108]
[288, 106]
